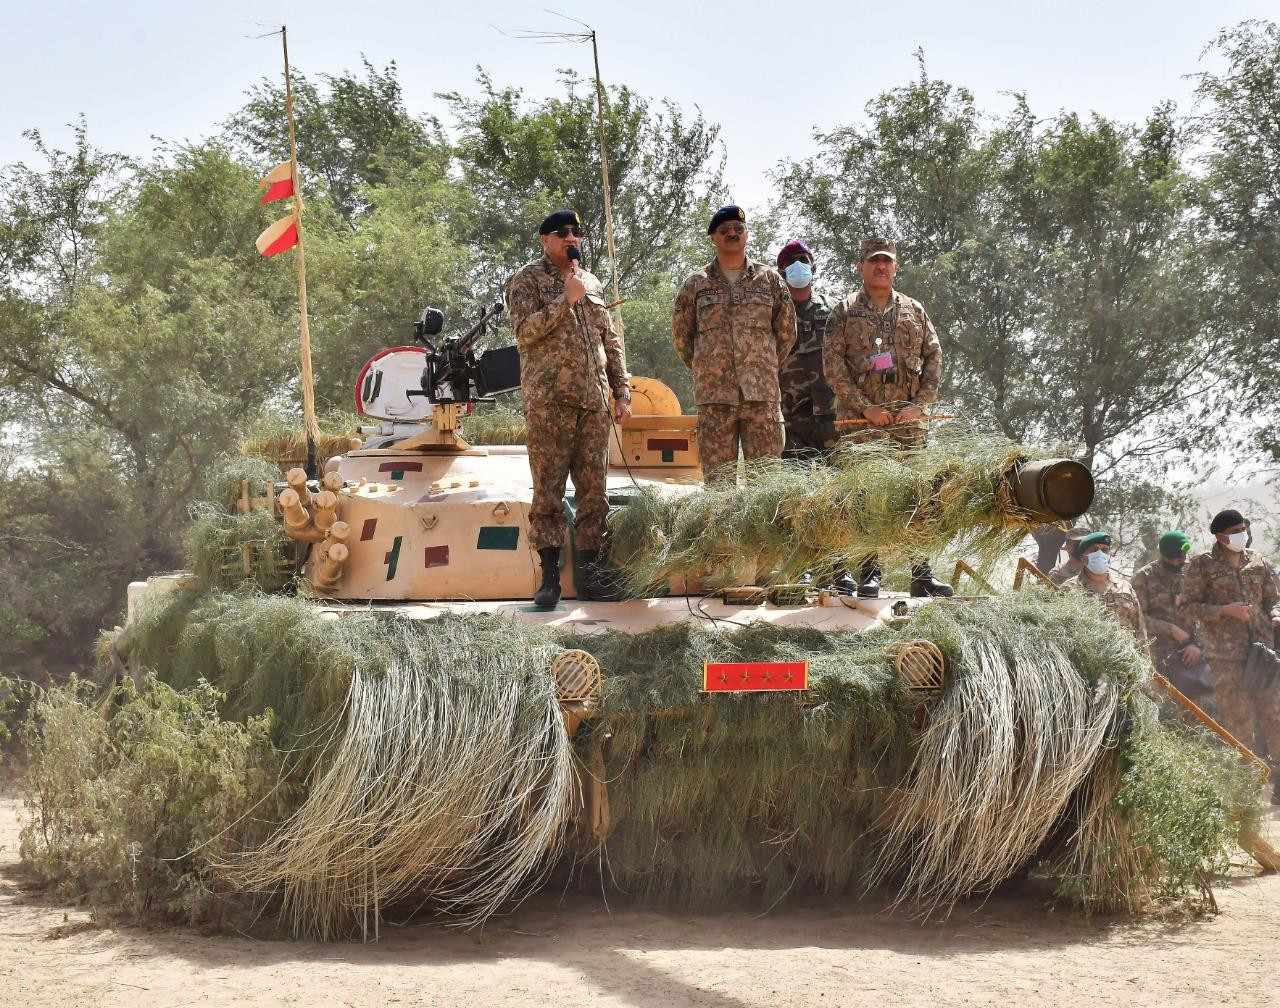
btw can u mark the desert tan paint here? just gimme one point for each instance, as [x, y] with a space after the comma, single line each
[456, 514]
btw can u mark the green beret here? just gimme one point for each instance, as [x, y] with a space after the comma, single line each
[1174, 544]
[1092, 539]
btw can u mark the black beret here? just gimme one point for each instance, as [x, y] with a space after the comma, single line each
[558, 220]
[1224, 520]
[726, 213]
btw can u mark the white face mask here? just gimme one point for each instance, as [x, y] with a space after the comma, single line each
[1236, 541]
[1098, 562]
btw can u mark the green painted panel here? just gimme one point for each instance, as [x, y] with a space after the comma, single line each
[498, 537]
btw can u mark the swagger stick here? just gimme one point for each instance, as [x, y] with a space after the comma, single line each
[310, 426]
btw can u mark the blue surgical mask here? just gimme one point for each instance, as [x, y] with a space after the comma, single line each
[1098, 562]
[799, 274]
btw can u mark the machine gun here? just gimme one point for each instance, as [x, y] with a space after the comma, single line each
[453, 368]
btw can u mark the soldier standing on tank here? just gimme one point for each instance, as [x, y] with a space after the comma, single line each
[1176, 648]
[1231, 592]
[808, 404]
[883, 360]
[733, 324]
[1097, 578]
[570, 363]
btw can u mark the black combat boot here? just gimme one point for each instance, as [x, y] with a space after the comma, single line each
[844, 583]
[869, 579]
[548, 593]
[924, 584]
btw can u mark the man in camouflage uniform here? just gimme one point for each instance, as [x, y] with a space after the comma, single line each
[733, 323]
[1231, 592]
[883, 360]
[1113, 591]
[808, 404]
[570, 363]
[1072, 565]
[1176, 648]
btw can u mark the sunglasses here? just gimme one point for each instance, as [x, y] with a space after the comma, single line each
[566, 230]
[725, 229]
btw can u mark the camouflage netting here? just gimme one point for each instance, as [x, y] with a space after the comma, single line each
[495, 424]
[427, 762]
[342, 769]
[791, 518]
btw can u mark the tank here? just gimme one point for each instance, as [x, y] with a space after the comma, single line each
[709, 739]
[420, 519]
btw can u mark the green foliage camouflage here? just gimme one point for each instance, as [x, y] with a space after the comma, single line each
[393, 739]
[789, 518]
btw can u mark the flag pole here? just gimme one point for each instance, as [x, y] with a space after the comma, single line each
[310, 426]
[604, 176]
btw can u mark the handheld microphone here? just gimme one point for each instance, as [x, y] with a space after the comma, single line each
[574, 254]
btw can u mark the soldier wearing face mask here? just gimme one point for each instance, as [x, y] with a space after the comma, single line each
[1113, 591]
[1176, 647]
[808, 404]
[1231, 592]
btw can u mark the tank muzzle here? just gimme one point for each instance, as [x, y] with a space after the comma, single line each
[1052, 490]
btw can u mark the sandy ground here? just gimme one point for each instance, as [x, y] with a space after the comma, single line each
[1012, 950]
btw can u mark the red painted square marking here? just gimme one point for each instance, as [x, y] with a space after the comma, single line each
[668, 444]
[754, 677]
[436, 556]
[400, 467]
[366, 530]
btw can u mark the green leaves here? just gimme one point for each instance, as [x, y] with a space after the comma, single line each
[1057, 258]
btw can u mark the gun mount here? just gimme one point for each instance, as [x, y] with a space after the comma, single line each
[421, 392]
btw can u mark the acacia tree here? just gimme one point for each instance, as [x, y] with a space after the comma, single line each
[522, 159]
[136, 342]
[1056, 259]
[354, 133]
[1239, 118]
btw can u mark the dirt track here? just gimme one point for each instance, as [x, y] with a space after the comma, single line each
[1010, 951]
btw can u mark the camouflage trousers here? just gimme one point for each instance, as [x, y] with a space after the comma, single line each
[563, 442]
[808, 435]
[757, 426]
[1253, 718]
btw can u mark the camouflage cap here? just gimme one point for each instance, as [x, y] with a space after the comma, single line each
[878, 246]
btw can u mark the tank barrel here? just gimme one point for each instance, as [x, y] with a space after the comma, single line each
[1052, 490]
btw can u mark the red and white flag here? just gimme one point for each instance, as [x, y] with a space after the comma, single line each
[279, 237]
[278, 183]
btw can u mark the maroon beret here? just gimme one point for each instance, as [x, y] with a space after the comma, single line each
[794, 249]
